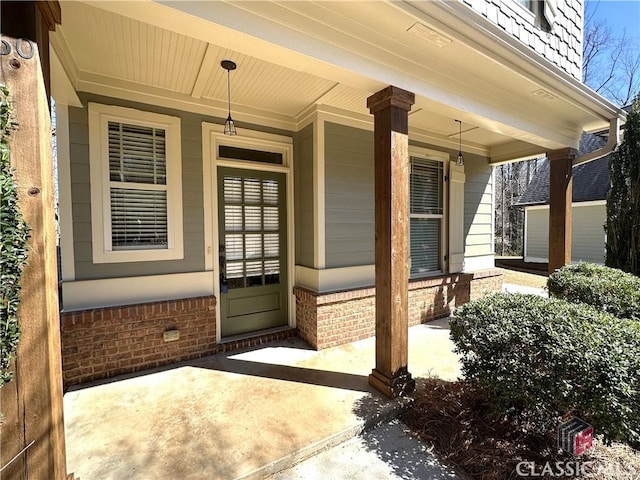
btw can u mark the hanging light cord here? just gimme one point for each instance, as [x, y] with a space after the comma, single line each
[229, 91]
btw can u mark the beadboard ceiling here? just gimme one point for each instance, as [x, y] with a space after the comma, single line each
[172, 51]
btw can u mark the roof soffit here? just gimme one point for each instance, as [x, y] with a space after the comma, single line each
[317, 39]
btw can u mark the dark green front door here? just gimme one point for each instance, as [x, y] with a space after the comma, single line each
[253, 250]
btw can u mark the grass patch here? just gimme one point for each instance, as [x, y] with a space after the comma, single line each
[524, 279]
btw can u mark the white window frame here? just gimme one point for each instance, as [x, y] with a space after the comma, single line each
[442, 157]
[536, 11]
[99, 116]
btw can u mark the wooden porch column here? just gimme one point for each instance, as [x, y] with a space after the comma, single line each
[560, 194]
[32, 20]
[390, 108]
[32, 443]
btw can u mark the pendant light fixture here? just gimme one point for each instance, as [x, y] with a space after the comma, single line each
[229, 126]
[460, 159]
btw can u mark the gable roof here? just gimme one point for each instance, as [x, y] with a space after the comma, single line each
[590, 180]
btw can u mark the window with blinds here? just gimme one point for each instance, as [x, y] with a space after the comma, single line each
[135, 160]
[138, 186]
[426, 193]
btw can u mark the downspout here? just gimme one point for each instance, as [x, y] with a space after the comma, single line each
[612, 143]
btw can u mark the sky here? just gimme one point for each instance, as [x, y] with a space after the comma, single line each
[620, 14]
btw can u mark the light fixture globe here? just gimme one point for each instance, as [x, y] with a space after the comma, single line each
[229, 125]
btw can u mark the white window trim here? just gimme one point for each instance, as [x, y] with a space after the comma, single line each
[99, 116]
[443, 157]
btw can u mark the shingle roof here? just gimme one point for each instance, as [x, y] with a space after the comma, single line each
[590, 180]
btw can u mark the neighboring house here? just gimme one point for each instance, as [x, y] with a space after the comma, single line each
[588, 209]
[178, 241]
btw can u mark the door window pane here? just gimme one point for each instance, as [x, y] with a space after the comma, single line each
[233, 247]
[253, 246]
[233, 218]
[252, 191]
[232, 190]
[252, 237]
[270, 218]
[252, 218]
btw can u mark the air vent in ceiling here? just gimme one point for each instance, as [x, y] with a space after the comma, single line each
[542, 93]
[429, 35]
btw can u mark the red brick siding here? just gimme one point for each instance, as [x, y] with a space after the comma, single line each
[104, 342]
[485, 282]
[330, 319]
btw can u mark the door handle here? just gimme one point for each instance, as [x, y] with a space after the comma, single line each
[224, 287]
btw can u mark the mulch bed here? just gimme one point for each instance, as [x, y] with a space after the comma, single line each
[458, 423]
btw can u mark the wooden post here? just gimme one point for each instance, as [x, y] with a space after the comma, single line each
[390, 108]
[32, 402]
[32, 20]
[560, 197]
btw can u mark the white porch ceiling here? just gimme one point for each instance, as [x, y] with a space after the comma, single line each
[154, 52]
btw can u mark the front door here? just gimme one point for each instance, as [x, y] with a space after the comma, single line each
[253, 250]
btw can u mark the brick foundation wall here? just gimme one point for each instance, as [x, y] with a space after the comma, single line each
[328, 319]
[105, 342]
[484, 283]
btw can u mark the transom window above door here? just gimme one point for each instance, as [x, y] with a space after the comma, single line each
[250, 154]
[260, 149]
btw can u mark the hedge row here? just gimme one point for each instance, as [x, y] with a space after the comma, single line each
[542, 358]
[604, 288]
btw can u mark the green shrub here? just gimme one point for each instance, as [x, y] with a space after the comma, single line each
[13, 245]
[540, 359]
[605, 288]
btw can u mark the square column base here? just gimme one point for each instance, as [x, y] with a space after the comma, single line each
[398, 385]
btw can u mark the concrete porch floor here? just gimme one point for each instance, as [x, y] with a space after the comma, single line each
[245, 414]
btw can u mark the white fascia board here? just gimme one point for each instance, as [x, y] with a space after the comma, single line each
[515, 151]
[589, 203]
[469, 27]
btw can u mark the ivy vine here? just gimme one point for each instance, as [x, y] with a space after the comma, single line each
[14, 234]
